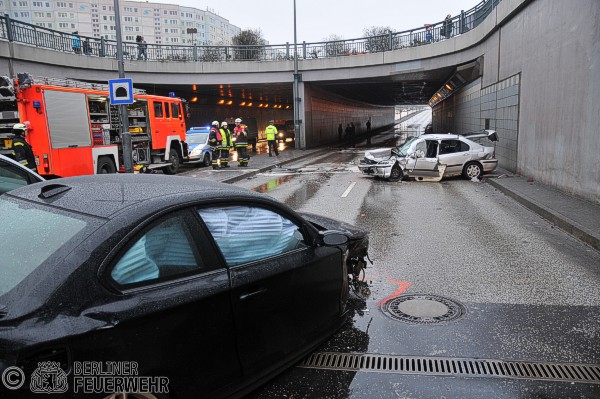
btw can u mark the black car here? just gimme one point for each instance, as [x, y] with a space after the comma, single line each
[209, 288]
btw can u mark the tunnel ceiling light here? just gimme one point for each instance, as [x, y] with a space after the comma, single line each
[194, 87]
[448, 86]
[229, 102]
[260, 105]
[242, 103]
[221, 102]
[287, 107]
[266, 105]
[194, 99]
[249, 104]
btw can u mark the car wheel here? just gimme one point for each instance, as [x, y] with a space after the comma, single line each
[206, 160]
[472, 170]
[105, 166]
[174, 161]
[396, 173]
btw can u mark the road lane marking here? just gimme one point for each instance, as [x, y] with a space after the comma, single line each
[350, 187]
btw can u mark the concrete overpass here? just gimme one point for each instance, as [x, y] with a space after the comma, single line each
[530, 70]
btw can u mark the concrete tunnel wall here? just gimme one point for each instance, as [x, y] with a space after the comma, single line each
[539, 89]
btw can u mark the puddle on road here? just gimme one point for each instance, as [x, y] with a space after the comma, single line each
[304, 193]
[273, 184]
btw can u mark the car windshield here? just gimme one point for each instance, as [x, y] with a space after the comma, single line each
[29, 236]
[402, 151]
[196, 138]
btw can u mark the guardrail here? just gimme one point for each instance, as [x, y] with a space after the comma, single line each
[25, 33]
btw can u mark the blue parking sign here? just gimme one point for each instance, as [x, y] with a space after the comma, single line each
[121, 91]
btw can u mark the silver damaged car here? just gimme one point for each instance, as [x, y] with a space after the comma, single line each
[431, 157]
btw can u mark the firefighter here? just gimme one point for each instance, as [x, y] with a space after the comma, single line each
[21, 150]
[241, 142]
[214, 141]
[226, 145]
[271, 132]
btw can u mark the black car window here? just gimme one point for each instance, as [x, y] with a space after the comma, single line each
[163, 252]
[12, 177]
[451, 147]
[30, 235]
[432, 148]
[245, 233]
[464, 146]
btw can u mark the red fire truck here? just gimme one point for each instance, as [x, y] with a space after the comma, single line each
[76, 131]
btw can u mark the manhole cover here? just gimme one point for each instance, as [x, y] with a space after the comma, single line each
[422, 309]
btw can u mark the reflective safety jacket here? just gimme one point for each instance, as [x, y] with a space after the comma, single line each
[214, 136]
[226, 135]
[23, 153]
[240, 133]
[271, 132]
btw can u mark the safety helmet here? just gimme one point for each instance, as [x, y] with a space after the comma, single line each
[215, 123]
[19, 128]
[238, 120]
[224, 124]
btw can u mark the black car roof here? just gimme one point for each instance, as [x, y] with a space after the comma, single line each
[106, 195]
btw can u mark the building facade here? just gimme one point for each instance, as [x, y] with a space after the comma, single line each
[158, 23]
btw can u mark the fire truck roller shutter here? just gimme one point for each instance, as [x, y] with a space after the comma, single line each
[68, 120]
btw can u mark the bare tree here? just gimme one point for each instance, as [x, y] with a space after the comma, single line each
[249, 45]
[377, 38]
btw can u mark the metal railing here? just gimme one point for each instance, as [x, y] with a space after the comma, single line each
[21, 32]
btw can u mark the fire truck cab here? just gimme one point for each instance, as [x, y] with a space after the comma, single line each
[76, 131]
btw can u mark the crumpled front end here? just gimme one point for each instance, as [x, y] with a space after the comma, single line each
[376, 167]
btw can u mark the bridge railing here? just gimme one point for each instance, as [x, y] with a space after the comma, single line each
[22, 32]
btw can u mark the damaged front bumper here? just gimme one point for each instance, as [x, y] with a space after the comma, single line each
[381, 169]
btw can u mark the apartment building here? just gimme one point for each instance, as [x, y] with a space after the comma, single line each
[159, 23]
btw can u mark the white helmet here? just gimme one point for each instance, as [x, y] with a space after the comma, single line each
[238, 120]
[215, 123]
[224, 124]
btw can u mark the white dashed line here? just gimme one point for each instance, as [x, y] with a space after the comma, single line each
[350, 187]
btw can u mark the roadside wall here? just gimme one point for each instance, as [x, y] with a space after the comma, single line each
[325, 111]
[539, 89]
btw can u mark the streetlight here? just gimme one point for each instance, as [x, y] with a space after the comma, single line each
[298, 144]
[125, 135]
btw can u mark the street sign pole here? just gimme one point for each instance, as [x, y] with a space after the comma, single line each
[125, 135]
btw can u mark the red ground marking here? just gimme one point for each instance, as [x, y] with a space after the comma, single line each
[403, 285]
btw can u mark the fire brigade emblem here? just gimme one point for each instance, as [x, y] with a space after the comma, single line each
[48, 378]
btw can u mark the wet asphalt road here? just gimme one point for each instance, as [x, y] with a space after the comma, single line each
[530, 291]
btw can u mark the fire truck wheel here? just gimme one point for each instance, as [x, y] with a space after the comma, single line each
[106, 165]
[174, 161]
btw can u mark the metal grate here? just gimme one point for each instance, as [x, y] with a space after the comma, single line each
[566, 372]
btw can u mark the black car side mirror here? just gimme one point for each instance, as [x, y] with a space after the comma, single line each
[332, 238]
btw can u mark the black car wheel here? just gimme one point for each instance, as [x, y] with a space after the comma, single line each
[206, 160]
[396, 173]
[174, 161]
[106, 165]
[472, 170]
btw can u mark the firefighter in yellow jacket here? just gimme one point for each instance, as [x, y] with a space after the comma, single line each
[225, 145]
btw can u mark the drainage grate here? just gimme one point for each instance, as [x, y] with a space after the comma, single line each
[422, 309]
[567, 372]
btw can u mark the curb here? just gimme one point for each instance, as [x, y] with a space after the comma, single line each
[267, 168]
[567, 225]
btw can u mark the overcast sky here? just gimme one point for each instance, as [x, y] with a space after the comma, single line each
[319, 19]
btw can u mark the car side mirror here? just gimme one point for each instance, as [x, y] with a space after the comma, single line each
[332, 238]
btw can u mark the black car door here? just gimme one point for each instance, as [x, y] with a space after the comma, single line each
[174, 317]
[285, 292]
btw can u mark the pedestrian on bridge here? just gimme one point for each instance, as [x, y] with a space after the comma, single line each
[76, 42]
[271, 132]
